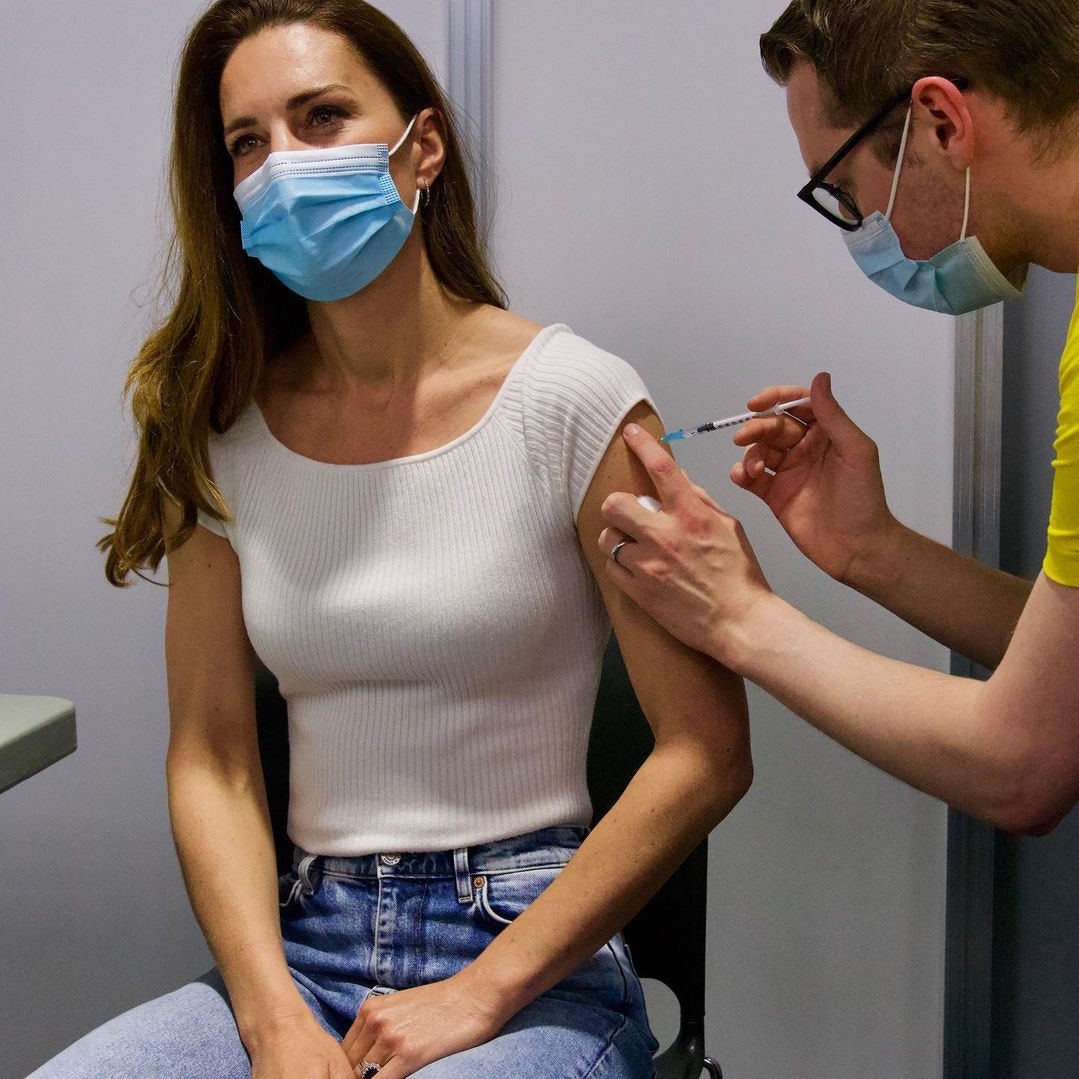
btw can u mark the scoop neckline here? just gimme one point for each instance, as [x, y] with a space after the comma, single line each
[533, 346]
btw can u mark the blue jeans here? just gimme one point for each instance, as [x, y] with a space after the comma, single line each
[380, 923]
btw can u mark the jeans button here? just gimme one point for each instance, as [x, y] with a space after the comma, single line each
[478, 882]
[389, 859]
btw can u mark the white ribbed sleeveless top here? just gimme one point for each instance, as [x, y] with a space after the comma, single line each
[431, 620]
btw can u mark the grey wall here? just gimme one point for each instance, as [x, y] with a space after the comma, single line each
[93, 912]
[1036, 934]
[646, 178]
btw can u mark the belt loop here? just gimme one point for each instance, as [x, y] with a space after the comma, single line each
[463, 874]
[305, 871]
[293, 894]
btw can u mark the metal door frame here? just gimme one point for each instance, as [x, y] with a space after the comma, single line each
[469, 85]
[979, 377]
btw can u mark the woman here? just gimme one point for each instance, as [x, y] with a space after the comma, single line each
[397, 511]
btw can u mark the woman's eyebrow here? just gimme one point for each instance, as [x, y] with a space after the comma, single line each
[293, 103]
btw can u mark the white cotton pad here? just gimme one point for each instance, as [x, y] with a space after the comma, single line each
[649, 503]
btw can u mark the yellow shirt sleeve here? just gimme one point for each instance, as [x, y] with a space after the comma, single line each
[1062, 559]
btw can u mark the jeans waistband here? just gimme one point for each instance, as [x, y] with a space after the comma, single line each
[546, 847]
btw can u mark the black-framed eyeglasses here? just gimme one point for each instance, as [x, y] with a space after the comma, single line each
[833, 202]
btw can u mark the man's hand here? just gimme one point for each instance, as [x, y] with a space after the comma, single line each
[690, 565]
[820, 475]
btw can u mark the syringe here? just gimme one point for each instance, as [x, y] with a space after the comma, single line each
[733, 421]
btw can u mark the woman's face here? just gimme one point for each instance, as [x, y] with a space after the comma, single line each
[298, 87]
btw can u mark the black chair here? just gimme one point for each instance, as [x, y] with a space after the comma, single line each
[666, 938]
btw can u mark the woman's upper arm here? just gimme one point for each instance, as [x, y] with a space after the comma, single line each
[209, 659]
[683, 693]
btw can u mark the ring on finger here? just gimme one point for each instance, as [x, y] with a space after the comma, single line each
[367, 1070]
[616, 550]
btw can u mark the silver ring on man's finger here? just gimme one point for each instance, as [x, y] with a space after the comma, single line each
[366, 1070]
[616, 550]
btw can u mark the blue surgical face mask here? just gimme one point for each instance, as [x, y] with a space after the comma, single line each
[325, 222]
[961, 278]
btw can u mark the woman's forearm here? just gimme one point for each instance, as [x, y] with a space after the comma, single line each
[966, 606]
[225, 845]
[676, 798]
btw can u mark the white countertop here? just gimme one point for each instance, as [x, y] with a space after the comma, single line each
[34, 733]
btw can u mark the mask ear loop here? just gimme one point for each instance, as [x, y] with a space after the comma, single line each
[408, 131]
[966, 209]
[426, 188]
[397, 146]
[899, 164]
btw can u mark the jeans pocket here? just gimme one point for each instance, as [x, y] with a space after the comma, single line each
[503, 897]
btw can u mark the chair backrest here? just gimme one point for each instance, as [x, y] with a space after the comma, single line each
[271, 715]
[667, 937]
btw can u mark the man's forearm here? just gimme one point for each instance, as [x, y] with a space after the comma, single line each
[966, 606]
[929, 729]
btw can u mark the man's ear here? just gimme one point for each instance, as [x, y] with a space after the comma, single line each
[945, 113]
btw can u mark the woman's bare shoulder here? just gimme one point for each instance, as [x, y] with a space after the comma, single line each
[495, 333]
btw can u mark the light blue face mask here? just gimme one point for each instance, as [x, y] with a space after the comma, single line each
[325, 222]
[961, 278]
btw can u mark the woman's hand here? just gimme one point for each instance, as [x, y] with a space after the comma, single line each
[404, 1031]
[820, 475]
[299, 1050]
[689, 566]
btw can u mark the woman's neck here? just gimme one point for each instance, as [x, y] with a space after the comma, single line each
[401, 324]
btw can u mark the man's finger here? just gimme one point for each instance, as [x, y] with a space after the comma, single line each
[623, 512]
[661, 466]
[781, 431]
[758, 483]
[776, 395]
[608, 538]
[761, 456]
[834, 421]
[621, 574]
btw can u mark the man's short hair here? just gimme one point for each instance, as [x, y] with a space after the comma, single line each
[1023, 52]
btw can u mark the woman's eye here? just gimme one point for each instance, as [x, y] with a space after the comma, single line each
[244, 144]
[323, 115]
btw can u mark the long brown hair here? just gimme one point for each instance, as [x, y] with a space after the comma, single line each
[198, 371]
